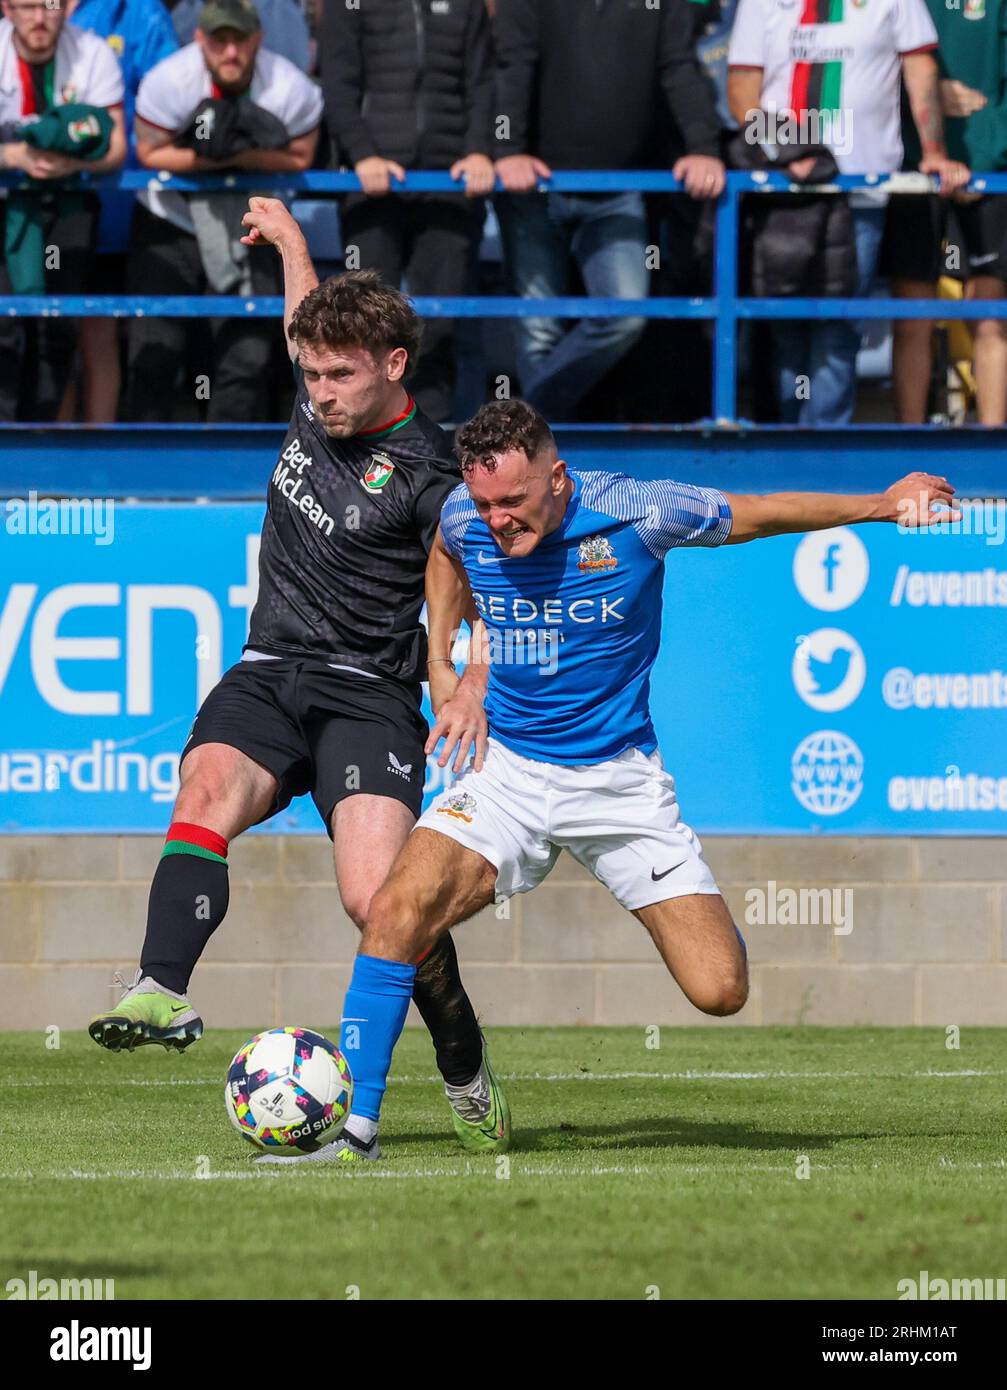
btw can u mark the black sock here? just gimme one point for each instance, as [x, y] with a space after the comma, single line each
[188, 900]
[447, 1011]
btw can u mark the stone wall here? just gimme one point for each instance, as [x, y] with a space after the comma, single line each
[927, 942]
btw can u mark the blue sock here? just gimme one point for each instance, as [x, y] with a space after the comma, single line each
[373, 1016]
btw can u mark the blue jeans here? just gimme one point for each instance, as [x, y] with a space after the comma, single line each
[607, 237]
[826, 353]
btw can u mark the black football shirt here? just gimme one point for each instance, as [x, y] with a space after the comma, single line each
[349, 525]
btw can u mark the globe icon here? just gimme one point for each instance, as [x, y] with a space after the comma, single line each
[828, 772]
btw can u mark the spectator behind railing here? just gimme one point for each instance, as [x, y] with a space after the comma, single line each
[64, 87]
[140, 34]
[410, 86]
[843, 94]
[581, 85]
[973, 88]
[284, 27]
[223, 102]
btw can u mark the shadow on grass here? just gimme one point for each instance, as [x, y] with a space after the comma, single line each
[659, 1132]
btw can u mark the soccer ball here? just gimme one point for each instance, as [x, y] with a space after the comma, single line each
[288, 1088]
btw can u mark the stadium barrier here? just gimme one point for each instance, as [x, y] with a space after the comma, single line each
[725, 308]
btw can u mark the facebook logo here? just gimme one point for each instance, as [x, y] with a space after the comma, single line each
[830, 563]
[831, 568]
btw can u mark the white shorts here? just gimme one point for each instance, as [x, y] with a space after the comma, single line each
[619, 819]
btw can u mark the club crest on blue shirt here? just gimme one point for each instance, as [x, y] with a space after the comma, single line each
[596, 555]
[380, 471]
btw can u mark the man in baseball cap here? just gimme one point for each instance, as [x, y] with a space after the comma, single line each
[230, 14]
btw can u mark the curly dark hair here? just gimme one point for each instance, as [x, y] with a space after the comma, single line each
[498, 427]
[356, 309]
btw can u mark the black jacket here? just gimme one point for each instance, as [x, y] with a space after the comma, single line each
[237, 124]
[794, 244]
[588, 84]
[410, 80]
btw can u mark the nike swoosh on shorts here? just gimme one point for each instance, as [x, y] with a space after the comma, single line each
[657, 877]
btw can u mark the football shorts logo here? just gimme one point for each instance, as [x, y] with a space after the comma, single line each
[380, 471]
[400, 769]
[460, 806]
[595, 556]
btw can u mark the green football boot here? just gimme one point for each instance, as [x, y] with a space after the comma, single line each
[147, 1013]
[480, 1112]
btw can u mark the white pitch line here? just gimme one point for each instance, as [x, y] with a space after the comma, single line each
[298, 1172]
[958, 1073]
[563, 1076]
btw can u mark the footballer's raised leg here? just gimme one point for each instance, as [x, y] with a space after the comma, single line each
[702, 948]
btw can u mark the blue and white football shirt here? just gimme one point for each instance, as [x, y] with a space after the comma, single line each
[574, 627]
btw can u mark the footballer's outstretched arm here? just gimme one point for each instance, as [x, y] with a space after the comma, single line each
[269, 220]
[910, 501]
[457, 704]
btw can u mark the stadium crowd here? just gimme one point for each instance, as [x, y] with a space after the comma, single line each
[500, 93]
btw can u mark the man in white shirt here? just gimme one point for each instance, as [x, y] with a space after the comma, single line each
[183, 244]
[829, 72]
[46, 62]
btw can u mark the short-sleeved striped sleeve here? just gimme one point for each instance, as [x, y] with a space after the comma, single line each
[683, 514]
[664, 513]
[457, 515]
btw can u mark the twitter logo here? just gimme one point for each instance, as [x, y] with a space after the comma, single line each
[829, 675]
[828, 669]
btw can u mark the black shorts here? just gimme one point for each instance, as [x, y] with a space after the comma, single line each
[984, 233]
[319, 730]
[927, 237]
[108, 273]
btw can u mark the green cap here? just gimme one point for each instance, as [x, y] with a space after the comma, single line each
[230, 14]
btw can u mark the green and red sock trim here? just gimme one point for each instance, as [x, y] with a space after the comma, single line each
[184, 838]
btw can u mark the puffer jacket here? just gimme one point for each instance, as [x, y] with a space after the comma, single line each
[794, 244]
[410, 80]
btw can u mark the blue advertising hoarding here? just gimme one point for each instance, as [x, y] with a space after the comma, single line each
[851, 681]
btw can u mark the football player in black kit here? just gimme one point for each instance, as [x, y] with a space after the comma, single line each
[326, 696]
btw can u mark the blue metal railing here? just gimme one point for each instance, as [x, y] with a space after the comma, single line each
[724, 307]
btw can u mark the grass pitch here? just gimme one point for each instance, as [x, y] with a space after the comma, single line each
[635, 1173]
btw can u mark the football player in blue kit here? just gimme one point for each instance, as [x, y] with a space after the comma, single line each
[565, 568]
